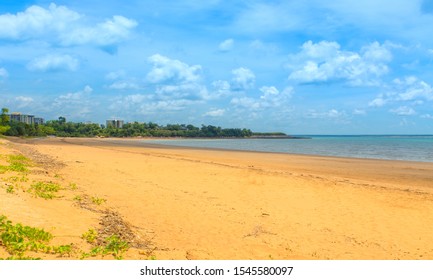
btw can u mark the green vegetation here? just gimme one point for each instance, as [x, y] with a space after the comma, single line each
[70, 129]
[17, 163]
[18, 239]
[112, 245]
[97, 200]
[90, 236]
[45, 190]
[73, 186]
[10, 189]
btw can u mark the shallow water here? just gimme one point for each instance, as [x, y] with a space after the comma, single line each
[412, 148]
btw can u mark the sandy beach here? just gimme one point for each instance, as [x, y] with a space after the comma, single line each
[184, 203]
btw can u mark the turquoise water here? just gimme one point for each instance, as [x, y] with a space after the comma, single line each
[412, 148]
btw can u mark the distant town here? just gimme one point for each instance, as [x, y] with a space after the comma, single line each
[31, 119]
[18, 124]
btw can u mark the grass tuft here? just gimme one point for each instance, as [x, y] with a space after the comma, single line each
[44, 190]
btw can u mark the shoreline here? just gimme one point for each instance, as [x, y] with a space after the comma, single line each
[220, 204]
[123, 141]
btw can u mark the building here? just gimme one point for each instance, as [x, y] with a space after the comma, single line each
[23, 118]
[115, 123]
[38, 121]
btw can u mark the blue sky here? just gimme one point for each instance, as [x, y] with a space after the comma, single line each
[301, 67]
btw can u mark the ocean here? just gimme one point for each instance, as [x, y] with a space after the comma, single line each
[391, 147]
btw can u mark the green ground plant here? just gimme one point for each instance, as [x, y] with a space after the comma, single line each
[113, 245]
[90, 236]
[97, 200]
[44, 190]
[3, 169]
[18, 163]
[10, 189]
[18, 240]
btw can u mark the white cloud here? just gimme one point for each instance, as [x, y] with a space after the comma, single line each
[116, 75]
[271, 97]
[243, 79]
[427, 116]
[121, 85]
[190, 91]
[325, 61]
[35, 21]
[226, 45]
[166, 70]
[64, 26]
[378, 101]
[23, 101]
[409, 89]
[77, 105]
[53, 63]
[412, 88]
[246, 102]
[359, 112]
[74, 100]
[3, 73]
[215, 113]
[148, 104]
[333, 114]
[222, 89]
[403, 111]
[110, 32]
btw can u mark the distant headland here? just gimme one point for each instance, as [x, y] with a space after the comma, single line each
[17, 124]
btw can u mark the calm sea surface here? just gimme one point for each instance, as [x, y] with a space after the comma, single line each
[413, 148]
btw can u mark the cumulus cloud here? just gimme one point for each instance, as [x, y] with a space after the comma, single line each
[35, 21]
[110, 32]
[412, 88]
[408, 89]
[221, 89]
[243, 79]
[23, 101]
[226, 45]
[175, 79]
[53, 63]
[326, 62]
[166, 70]
[62, 25]
[76, 104]
[3, 73]
[271, 97]
[215, 113]
[403, 111]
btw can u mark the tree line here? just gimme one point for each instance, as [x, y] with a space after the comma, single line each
[62, 128]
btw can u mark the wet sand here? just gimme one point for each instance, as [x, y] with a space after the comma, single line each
[189, 203]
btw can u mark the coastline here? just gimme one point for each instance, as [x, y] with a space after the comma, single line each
[220, 204]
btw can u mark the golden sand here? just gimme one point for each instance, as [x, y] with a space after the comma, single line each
[208, 204]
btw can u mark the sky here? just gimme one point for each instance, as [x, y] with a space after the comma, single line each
[296, 66]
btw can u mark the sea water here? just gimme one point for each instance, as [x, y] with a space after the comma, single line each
[392, 147]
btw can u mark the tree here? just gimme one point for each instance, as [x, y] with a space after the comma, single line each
[4, 117]
[4, 121]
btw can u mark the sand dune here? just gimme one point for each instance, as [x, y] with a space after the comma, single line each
[206, 204]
